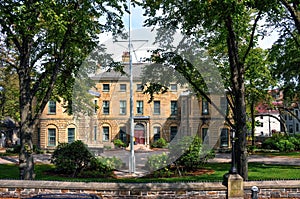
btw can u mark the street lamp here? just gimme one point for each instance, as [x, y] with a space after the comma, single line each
[232, 138]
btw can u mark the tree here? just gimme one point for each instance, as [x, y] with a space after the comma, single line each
[222, 27]
[258, 80]
[9, 94]
[284, 54]
[46, 43]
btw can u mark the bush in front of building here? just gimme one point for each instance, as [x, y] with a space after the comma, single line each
[101, 167]
[160, 143]
[119, 143]
[71, 158]
[192, 157]
[282, 143]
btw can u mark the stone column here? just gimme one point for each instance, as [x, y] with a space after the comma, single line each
[147, 134]
[235, 187]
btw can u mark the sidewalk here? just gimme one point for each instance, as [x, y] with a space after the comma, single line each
[220, 157]
[226, 157]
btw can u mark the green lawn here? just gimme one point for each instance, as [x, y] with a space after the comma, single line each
[293, 154]
[257, 171]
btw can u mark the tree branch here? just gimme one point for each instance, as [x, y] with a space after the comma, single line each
[250, 46]
[294, 14]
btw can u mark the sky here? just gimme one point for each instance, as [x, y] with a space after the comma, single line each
[137, 20]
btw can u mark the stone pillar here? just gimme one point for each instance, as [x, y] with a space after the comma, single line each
[235, 187]
[147, 134]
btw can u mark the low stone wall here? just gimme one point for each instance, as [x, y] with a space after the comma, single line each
[199, 190]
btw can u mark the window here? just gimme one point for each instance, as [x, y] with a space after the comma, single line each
[204, 135]
[51, 137]
[224, 137]
[156, 107]
[139, 107]
[297, 127]
[95, 106]
[224, 104]
[105, 107]
[122, 134]
[123, 87]
[205, 110]
[173, 87]
[106, 87]
[174, 108]
[52, 107]
[105, 133]
[290, 117]
[291, 131]
[95, 133]
[261, 124]
[139, 87]
[156, 133]
[296, 113]
[285, 117]
[261, 117]
[123, 107]
[71, 135]
[173, 132]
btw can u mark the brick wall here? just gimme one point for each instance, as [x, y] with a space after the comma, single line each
[199, 190]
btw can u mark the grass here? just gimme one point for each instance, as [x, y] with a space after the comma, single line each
[293, 154]
[257, 171]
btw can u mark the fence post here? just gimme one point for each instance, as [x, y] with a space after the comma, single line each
[254, 191]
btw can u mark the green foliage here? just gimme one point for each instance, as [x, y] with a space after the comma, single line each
[193, 157]
[100, 167]
[156, 162]
[111, 162]
[96, 169]
[282, 143]
[71, 158]
[160, 143]
[192, 152]
[119, 143]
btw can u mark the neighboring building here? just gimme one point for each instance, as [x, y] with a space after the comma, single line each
[292, 119]
[268, 117]
[170, 116]
[267, 121]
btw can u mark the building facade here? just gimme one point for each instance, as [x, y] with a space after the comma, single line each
[171, 115]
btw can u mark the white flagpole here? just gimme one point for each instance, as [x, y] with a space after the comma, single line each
[132, 157]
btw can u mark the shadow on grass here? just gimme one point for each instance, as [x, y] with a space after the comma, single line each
[256, 171]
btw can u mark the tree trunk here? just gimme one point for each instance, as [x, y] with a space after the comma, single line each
[26, 162]
[27, 123]
[238, 89]
[252, 123]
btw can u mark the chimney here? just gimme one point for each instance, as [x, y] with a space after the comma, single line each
[126, 57]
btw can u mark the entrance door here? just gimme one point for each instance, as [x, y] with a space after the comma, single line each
[139, 133]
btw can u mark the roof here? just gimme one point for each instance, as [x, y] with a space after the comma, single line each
[137, 70]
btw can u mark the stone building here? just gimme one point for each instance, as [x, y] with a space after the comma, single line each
[171, 115]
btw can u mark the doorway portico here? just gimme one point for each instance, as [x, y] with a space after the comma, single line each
[141, 130]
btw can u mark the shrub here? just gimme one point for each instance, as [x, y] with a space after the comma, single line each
[193, 156]
[112, 163]
[282, 143]
[119, 143]
[285, 145]
[96, 169]
[296, 141]
[156, 162]
[71, 158]
[160, 143]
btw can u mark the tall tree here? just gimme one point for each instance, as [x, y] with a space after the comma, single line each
[221, 26]
[258, 80]
[285, 19]
[46, 43]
